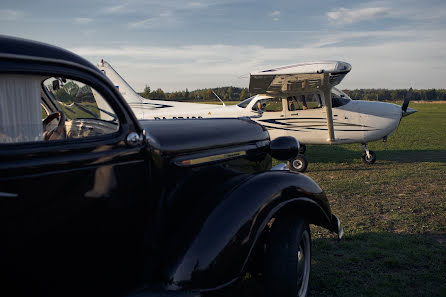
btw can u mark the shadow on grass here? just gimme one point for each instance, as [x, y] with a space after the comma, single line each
[380, 264]
[339, 154]
[369, 264]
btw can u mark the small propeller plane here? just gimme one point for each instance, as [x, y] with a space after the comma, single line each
[298, 100]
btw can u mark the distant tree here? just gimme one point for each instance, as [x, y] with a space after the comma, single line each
[208, 94]
[146, 92]
[243, 94]
[158, 94]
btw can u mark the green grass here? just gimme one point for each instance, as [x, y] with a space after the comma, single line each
[393, 212]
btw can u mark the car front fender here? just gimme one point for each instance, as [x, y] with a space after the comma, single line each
[219, 250]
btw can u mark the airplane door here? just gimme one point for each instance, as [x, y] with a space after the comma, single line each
[305, 118]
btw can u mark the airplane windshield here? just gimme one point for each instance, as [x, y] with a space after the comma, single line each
[339, 98]
[245, 102]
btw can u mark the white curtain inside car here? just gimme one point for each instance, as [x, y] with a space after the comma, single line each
[20, 109]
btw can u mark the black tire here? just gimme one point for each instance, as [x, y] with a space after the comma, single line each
[302, 148]
[288, 258]
[367, 160]
[298, 164]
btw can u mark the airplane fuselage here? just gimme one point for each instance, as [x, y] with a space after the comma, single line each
[354, 122]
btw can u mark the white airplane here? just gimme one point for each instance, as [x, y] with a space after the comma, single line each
[297, 100]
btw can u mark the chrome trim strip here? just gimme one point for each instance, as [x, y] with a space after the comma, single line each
[280, 167]
[8, 195]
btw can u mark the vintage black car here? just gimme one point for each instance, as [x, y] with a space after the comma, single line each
[95, 203]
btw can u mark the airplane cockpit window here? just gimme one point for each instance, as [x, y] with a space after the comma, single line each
[339, 98]
[37, 108]
[245, 102]
[304, 102]
[268, 105]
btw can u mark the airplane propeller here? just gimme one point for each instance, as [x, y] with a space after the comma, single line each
[407, 100]
[405, 107]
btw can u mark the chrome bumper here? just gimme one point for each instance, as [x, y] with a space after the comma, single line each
[281, 166]
[337, 227]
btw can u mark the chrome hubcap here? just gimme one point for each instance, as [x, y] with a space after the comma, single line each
[303, 264]
[297, 164]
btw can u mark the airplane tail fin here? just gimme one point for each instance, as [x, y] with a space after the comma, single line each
[124, 88]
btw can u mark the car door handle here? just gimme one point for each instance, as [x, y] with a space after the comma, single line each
[8, 195]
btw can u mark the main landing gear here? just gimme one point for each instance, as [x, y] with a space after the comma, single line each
[368, 156]
[300, 163]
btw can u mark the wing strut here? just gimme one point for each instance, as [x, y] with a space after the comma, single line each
[326, 90]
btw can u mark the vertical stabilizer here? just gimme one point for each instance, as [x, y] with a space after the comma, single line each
[124, 88]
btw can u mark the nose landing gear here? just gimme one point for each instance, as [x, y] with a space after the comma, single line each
[368, 157]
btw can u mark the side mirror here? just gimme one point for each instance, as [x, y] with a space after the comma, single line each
[284, 148]
[56, 85]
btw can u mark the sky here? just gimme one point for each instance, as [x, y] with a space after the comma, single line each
[174, 45]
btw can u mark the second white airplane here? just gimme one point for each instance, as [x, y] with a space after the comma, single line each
[297, 100]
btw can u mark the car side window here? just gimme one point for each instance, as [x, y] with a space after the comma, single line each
[39, 108]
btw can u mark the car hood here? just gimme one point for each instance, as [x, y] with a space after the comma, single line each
[192, 135]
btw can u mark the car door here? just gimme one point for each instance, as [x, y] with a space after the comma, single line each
[73, 205]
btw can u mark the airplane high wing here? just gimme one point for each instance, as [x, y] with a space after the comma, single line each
[300, 79]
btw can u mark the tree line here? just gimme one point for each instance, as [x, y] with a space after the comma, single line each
[397, 94]
[238, 94]
[225, 93]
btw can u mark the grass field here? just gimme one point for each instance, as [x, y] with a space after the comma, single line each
[393, 212]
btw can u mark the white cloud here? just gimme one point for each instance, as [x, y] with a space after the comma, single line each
[165, 18]
[10, 15]
[393, 64]
[83, 21]
[115, 8]
[275, 15]
[344, 16]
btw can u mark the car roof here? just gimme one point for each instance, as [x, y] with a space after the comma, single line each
[17, 46]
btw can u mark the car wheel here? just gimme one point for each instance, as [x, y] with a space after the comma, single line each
[298, 164]
[288, 258]
[368, 160]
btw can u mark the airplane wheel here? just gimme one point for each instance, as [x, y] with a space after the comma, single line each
[298, 164]
[370, 160]
[302, 149]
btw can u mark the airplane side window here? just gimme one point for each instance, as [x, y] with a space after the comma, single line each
[304, 102]
[269, 105]
[245, 102]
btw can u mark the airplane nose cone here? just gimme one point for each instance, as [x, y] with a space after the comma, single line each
[409, 111]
